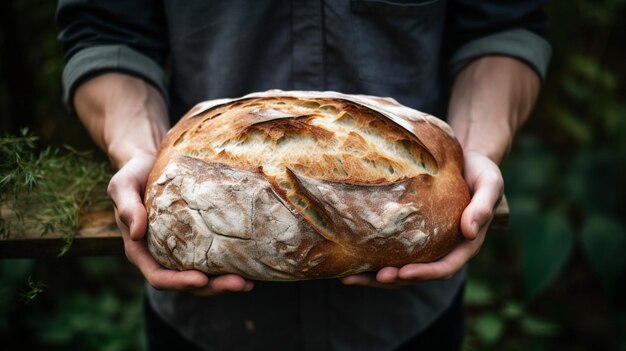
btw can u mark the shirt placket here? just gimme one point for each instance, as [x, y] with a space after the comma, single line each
[313, 305]
[307, 25]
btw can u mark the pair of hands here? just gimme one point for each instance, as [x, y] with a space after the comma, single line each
[491, 98]
[482, 175]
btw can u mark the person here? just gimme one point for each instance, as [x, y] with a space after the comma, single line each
[478, 63]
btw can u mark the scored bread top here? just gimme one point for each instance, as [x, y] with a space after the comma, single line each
[368, 181]
[323, 139]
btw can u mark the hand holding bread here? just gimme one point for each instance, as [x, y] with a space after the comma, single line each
[304, 185]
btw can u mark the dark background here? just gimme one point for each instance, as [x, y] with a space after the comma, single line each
[554, 281]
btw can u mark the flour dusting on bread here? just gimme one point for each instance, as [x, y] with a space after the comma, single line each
[304, 185]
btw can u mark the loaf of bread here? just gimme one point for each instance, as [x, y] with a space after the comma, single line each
[292, 185]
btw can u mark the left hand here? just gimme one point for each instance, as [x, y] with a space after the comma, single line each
[486, 186]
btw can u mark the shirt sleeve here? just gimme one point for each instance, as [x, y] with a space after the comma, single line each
[113, 35]
[512, 28]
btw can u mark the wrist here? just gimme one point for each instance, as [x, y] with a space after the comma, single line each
[125, 116]
[126, 138]
[490, 142]
[133, 134]
[491, 98]
[121, 156]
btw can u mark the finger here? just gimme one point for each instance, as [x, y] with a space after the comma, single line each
[165, 279]
[159, 277]
[358, 279]
[125, 190]
[446, 267]
[368, 280]
[130, 210]
[488, 190]
[387, 275]
[223, 284]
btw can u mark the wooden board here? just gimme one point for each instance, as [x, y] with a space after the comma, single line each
[501, 216]
[99, 236]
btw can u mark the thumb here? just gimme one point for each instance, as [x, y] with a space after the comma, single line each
[488, 189]
[125, 190]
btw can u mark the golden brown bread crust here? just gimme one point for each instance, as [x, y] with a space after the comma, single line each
[303, 185]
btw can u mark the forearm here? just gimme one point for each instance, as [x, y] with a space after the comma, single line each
[124, 115]
[491, 98]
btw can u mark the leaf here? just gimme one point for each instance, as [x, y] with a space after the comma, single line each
[593, 181]
[525, 215]
[512, 310]
[532, 169]
[577, 127]
[545, 250]
[536, 326]
[576, 90]
[591, 70]
[478, 293]
[604, 243]
[489, 328]
[35, 289]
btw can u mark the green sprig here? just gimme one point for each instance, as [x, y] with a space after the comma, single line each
[35, 289]
[47, 191]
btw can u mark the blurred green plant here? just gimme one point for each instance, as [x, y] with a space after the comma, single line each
[566, 184]
[571, 196]
[98, 321]
[80, 309]
[496, 318]
[566, 180]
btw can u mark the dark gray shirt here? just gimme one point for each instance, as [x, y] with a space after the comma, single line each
[408, 50]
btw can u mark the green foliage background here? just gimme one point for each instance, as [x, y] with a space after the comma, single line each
[554, 281]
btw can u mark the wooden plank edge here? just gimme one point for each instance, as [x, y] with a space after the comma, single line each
[501, 214]
[98, 236]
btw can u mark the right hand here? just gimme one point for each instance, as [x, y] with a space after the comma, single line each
[127, 118]
[125, 190]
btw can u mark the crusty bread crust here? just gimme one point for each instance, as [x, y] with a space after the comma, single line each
[289, 185]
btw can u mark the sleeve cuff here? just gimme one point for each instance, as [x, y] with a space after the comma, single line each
[518, 43]
[106, 58]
